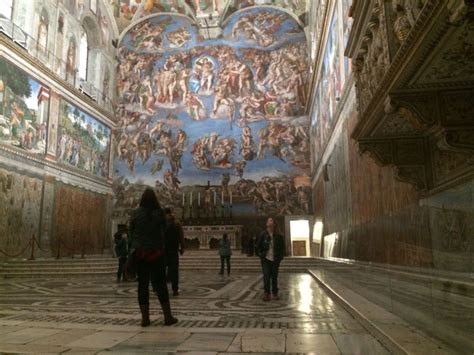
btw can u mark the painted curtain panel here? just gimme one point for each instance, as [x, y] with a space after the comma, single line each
[24, 105]
[214, 122]
[72, 226]
[83, 141]
[20, 206]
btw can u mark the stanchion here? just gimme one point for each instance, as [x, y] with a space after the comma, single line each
[83, 247]
[58, 251]
[32, 256]
[73, 244]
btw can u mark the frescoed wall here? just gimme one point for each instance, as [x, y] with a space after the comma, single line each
[218, 120]
[24, 105]
[83, 141]
[335, 69]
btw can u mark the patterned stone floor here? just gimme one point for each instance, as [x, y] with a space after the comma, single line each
[217, 314]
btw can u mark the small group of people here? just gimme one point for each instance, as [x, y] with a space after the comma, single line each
[155, 243]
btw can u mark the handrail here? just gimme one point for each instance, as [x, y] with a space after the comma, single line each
[55, 64]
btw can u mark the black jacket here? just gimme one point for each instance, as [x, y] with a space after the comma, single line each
[263, 243]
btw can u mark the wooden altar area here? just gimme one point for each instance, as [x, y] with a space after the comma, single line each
[208, 236]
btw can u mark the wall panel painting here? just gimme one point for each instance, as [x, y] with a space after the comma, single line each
[218, 120]
[83, 141]
[329, 88]
[24, 105]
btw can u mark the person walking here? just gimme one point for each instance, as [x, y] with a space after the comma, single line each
[225, 252]
[147, 225]
[174, 246]
[270, 247]
[121, 251]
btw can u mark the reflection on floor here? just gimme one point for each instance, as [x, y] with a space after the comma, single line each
[217, 314]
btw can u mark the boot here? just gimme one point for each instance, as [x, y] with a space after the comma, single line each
[145, 309]
[169, 319]
[266, 297]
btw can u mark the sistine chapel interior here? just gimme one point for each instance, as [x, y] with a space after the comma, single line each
[349, 122]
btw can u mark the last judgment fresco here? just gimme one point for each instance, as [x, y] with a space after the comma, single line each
[214, 124]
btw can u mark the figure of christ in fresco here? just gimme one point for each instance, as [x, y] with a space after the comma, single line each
[204, 70]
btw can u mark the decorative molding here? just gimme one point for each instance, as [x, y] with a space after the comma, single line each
[461, 141]
[413, 174]
[421, 124]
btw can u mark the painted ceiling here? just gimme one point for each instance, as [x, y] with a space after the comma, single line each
[129, 11]
[214, 120]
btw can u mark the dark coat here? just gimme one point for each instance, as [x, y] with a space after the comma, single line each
[147, 228]
[174, 239]
[263, 244]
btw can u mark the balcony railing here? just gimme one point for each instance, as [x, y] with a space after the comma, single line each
[54, 63]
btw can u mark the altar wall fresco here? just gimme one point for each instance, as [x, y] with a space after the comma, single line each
[24, 106]
[223, 118]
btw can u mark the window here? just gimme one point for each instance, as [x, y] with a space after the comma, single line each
[6, 7]
[83, 55]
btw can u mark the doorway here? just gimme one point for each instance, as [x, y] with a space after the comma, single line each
[299, 234]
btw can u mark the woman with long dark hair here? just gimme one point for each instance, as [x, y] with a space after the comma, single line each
[147, 226]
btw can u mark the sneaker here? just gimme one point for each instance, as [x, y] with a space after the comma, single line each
[266, 297]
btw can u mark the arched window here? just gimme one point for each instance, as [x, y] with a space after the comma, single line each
[83, 55]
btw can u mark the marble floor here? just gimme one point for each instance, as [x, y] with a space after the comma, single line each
[217, 315]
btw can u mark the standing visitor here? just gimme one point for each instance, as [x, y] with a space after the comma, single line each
[121, 251]
[147, 226]
[174, 245]
[270, 248]
[225, 252]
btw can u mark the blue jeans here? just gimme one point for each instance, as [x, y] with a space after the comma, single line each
[270, 275]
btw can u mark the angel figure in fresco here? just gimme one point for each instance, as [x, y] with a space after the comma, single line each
[171, 181]
[157, 166]
[175, 161]
[179, 37]
[239, 168]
